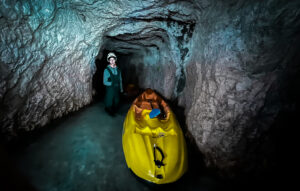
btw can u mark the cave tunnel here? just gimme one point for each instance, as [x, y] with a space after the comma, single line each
[228, 70]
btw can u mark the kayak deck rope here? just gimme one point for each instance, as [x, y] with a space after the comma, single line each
[158, 163]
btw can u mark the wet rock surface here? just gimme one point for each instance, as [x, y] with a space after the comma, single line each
[232, 65]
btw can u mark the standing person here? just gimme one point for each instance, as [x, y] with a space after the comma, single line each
[112, 79]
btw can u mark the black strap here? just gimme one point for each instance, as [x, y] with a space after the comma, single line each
[151, 103]
[110, 72]
[112, 76]
[159, 163]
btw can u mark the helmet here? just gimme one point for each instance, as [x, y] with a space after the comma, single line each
[111, 54]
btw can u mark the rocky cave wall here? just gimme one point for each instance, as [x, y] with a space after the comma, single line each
[46, 51]
[237, 84]
[224, 61]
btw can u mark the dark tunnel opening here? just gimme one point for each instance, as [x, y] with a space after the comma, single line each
[98, 87]
[130, 80]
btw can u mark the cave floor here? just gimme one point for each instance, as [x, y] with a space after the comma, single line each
[83, 152]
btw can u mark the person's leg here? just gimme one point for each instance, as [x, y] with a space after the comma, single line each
[108, 100]
[116, 100]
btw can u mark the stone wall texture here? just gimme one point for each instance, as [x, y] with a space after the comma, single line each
[231, 64]
[237, 81]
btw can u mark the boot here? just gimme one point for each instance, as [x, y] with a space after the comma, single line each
[109, 111]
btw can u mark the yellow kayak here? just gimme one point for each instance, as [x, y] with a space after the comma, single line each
[154, 147]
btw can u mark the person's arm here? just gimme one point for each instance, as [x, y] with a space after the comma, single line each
[121, 84]
[106, 75]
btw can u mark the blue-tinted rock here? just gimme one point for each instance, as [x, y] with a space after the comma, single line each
[228, 63]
